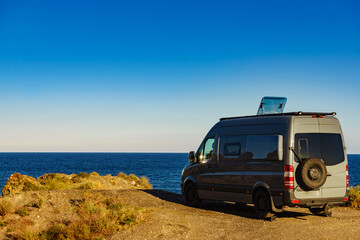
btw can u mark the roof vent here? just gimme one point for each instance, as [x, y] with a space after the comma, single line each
[271, 105]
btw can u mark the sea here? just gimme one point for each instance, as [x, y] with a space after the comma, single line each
[162, 169]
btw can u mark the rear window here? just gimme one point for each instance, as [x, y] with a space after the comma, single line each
[327, 146]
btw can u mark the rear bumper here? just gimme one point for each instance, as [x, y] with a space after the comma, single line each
[319, 202]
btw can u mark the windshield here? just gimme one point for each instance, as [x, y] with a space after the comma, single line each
[326, 146]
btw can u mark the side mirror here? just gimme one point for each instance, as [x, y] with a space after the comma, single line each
[192, 157]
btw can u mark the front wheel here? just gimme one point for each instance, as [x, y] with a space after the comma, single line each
[262, 204]
[191, 196]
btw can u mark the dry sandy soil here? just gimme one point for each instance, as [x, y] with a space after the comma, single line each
[170, 219]
[166, 217]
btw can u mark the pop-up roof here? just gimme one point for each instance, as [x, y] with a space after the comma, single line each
[271, 105]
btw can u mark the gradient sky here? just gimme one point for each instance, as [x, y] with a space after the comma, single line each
[154, 76]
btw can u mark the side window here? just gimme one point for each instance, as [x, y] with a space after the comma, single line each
[200, 153]
[262, 147]
[232, 149]
[209, 147]
[205, 150]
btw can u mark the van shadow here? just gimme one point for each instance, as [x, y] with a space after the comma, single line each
[245, 211]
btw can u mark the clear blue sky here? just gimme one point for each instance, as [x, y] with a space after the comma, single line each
[154, 76]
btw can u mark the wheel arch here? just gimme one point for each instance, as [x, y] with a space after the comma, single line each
[188, 180]
[261, 185]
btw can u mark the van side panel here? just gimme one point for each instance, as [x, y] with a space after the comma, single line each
[234, 181]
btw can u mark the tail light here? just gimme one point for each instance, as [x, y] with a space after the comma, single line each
[289, 177]
[347, 176]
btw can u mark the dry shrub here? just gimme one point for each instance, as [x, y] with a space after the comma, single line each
[354, 197]
[55, 181]
[99, 217]
[94, 174]
[5, 207]
[87, 185]
[56, 231]
[133, 177]
[36, 204]
[3, 223]
[19, 228]
[122, 175]
[23, 212]
[19, 183]
[144, 182]
[27, 235]
[136, 181]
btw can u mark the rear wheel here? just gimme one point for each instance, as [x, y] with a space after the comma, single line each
[262, 204]
[322, 211]
[191, 196]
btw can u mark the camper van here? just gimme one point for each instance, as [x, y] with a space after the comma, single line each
[272, 159]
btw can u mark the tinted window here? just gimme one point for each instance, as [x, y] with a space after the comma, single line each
[262, 147]
[209, 147]
[205, 150]
[231, 150]
[327, 146]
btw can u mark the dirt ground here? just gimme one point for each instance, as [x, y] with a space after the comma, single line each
[166, 217]
[170, 219]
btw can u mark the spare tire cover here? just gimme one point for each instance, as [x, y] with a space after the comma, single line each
[311, 174]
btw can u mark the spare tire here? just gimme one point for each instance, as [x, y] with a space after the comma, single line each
[311, 174]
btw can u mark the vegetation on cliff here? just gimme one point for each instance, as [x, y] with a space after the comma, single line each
[78, 209]
[354, 197]
[58, 181]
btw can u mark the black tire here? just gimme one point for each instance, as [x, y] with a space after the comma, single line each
[311, 174]
[262, 204]
[322, 211]
[191, 196]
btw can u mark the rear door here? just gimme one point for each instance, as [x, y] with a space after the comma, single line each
[324, 142]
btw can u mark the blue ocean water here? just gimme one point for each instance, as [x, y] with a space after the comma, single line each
[163, 169]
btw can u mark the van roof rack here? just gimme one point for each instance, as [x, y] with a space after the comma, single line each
[317, 114]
